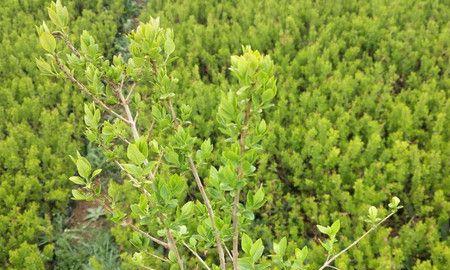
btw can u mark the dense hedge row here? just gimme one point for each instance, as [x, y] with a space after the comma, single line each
[38, 128]
[362, 114]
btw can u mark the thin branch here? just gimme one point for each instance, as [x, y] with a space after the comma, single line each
[173, 114]
[228, 251]
[327, 262]
[126, 107]
[210, 212]
[130, 92]
[154, 239]
[235, 214]
[68, 43]
[132, 226]
[205, 198]
[173, 247]
[152, 174]
[84, 89]
[197, 256]
[158, 257]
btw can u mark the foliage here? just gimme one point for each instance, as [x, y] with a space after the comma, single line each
[38, 129]
[160, 163]
[361, 114]
[85, 249]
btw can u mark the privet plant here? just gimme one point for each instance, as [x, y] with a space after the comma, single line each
[36, 130]
[191, 210]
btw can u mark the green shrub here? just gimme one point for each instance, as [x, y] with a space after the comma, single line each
[160, 159]
[38, 128]
[361, 114]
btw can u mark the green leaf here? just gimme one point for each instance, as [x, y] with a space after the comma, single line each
[134, 154]
[301, 254]
[58, 14]
[172, 157]
[328, 245]
[169, 45]
[182, 229]
[117, 216]
[323, 229]
[187, 209]
[334, 229]
[44, 66]
[192, 241]
[258, 199]
[77, 180]
[47, 41]
[373, 212]
[206, 148]
[132, 169]
[135, 209]
[142, 145]
[262, 127]
[83, 167]
[394, 204]
[268, 95]
[245, 263]
[257, 250]
[280, 248]
[78, 195]
[246, 243]
[95, 173]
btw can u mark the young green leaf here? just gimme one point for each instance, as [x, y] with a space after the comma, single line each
[169, 45]
[257, 250]
[280, 248]
[77, 180]
[134, 154]
[246, 243]
[83, 167]
[47, 41]
[334, 229]
[78, 195]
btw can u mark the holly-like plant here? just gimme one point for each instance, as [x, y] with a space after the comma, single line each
[142, 127]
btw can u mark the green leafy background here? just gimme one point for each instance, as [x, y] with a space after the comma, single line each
[361, 115]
